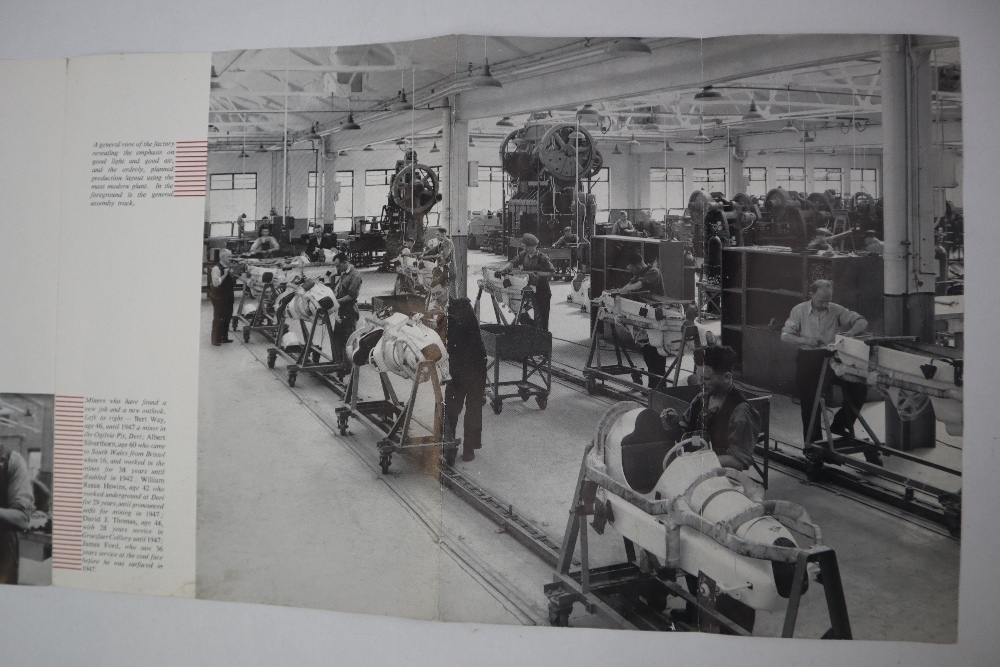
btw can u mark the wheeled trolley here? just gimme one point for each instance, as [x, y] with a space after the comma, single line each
[256, 313]
[313, 357]
[529, 346]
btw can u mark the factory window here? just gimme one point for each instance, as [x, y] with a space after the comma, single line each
[864, 180]
[230, 196]
[792, 179]
[825, 178]
[666, 191]
[710, 180]
[487, 195]
[600, 187]
[756, 181]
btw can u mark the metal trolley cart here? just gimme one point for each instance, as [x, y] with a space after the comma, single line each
[312, 359]
[262, 319]
[530, 346]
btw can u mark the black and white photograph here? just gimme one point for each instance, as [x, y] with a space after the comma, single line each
[625, 333]
[26, 484]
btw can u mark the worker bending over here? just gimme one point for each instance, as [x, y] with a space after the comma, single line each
[824, 238]
[568, 238]
[728, 422]
[265, 243]
[346, 290]
[540, 269]
[812, 326]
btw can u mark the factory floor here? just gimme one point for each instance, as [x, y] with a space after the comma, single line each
[328, 530]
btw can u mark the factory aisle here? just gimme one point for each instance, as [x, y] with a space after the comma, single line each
[288, 515]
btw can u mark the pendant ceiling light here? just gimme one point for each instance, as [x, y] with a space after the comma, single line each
[708, 93]
[701, 137]
[587, 110]
[342, 154]
[628, 47]
[691, 153]
[788, 126]
[505, 122]
[243, 154]
[434, 148]
[484, 80]
[633, 141]
[401, 103]
[313, 132]
[367, 149]
[401, 142]
[616, 151]
[350, 124]
[753, 113]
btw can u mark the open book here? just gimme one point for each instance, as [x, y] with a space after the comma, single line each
[305, 464]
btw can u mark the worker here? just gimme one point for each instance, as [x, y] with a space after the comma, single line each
[729, 423]
[346, 291]
[698, 336]
[824, 238]
[443, 250]
[467, 367]
[647, 278]
[812, 326]
[623, 226]
[314, 251]
[222, 282]
[265, 243]
[568, 238]
[872, 243]
[540, 269]
[16, 506]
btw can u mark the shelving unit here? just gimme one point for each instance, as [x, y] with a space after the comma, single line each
[759, 290]
[611, 256]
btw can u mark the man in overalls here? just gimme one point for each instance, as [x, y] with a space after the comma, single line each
[220, 292]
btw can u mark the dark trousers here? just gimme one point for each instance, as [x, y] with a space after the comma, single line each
[9, 557]
[541, 302]
[222, 317]
[470, 392]
[342, 330]
[655, 364]
[808, 367]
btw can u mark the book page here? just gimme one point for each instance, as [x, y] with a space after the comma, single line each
[132, 208]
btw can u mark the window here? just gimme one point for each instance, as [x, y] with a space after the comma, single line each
[710, 180]
[756, 181]
[377, 182]
[666, 191]
[600, 187]
[488, 195]
[864, 180]
[792, 179]
[344, 209]
[825, 178]
[230, 196]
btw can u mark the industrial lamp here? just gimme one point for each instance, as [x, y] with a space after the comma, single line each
[484, 80]
[401, 103]
[633, 141]
[616, 151]
[367, 149]
[587, 110]
[753, 113]
[505, 122]
[434, 148]
[350, 124]
[628, 47]
[708, 93]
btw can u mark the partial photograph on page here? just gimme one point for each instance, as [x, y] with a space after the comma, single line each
[27, 434]
[625, 333]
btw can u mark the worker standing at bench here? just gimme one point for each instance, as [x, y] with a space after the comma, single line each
[647, 278]
[220, 293]
[265, 243]
[540, 268]
[346, 291]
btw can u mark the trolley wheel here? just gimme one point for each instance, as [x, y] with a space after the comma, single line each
[814, 471]
[525, 394]
[385, 461]
[497, 406]
[637, 378]
[246, 335]
[591, 386]
[236, 323]
[559, 618]
[450, 455]
[291, 379]
[342, 425]
[542, 400]
[271, 357]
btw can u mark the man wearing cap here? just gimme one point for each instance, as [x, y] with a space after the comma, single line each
[823, 239]
[265, 243]
[220, 293]
[720, 411]
[346, 291]
[540, 268]
[444, 250]
[568, 238]
[811, 326]
[647, 278]
[872, 243]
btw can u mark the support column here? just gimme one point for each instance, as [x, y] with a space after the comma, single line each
[909, 223]
[331, 188]
[456, 148]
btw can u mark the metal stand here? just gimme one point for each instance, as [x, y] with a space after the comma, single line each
[396, 419]
[262, 322]
[312, 359]
[634, 594]
[524, 307]
[529, 346]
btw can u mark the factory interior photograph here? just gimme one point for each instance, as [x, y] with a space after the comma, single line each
[637, 333]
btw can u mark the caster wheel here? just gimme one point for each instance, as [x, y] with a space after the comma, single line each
[291, 379]
[591, 386]
[246, 335]
[637, 378]
[524, 394]
[814, 471]
[271, 359]
[542, 400]
[497, 407]
[384, 462]
[559, 618]
[450, 456]
[236, 324]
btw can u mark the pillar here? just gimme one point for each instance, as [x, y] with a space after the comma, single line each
[454, 176]
[331, 188]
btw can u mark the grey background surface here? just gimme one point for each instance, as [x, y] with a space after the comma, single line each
[58, 626]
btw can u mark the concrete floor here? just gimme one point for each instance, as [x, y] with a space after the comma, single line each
[341, 536]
